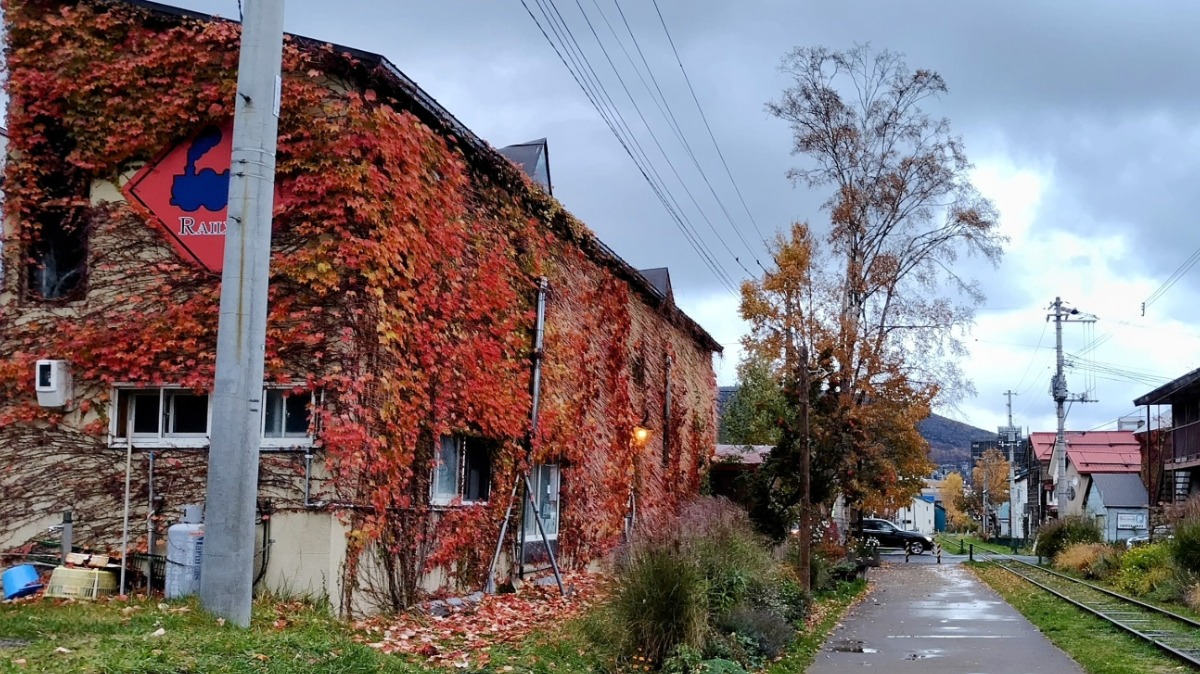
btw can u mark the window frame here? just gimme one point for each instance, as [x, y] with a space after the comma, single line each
[163, 438]
[445, 499]
[529, 529]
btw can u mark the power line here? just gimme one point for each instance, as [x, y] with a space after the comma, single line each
[579, 74]
[654, 137]
[703, 117]
[1172, 279]
[567, 38]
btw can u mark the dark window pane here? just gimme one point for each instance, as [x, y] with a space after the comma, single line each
[478, 471]
[123, 413]
[296, 420]
[189, 413]
[146, 413]
[273, 414]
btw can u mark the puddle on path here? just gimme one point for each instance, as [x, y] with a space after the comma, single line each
[851, 646]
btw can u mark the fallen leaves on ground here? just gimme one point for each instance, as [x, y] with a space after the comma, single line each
[465, 637]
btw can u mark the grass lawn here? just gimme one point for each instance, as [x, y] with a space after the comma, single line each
[1098, 646]
[149, 637]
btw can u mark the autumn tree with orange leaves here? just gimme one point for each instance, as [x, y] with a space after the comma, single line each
[874, 298]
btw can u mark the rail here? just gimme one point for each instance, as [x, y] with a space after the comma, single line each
[1173, 633]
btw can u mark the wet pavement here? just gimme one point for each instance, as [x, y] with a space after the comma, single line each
[924, 617]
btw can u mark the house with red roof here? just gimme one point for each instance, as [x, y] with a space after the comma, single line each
[1103, 477]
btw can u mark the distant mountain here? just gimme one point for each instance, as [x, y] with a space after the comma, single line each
[950, 440]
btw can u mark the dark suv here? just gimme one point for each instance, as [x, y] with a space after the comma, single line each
[885, 534]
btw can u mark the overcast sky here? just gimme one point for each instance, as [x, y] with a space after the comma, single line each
[1081, 119]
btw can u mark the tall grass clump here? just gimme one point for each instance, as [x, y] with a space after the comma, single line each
[704, 591]
[735, 561]
[660, 603]
[1056, 536]
[1079, 557]
[1185, 547]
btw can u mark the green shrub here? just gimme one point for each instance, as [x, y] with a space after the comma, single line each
[1148, 570]
[789, 600]
[659, 603]
[1054, 537]
[687, 660]
[768, 631]
[1108, 564]
[1186, 545]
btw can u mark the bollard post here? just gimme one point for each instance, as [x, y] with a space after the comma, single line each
[907, 552]
[67, 533]
[937, 547]
[961, 548]
[972, 557]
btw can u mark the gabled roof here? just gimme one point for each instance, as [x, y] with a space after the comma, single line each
[534, 159]
[660, 278]
[1121, 490]
[752, 455]
[1164, 393]
[1094, 451]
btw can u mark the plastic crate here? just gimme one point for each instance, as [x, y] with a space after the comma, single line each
[69, 583]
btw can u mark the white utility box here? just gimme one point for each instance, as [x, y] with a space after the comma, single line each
[52, 380]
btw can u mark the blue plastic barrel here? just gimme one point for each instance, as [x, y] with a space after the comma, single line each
[20, 581]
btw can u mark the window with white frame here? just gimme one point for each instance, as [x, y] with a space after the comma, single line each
[462, 471]
[544, 479]
[176, 417]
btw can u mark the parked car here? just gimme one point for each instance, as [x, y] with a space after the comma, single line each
[885, 534]
[1161, 533]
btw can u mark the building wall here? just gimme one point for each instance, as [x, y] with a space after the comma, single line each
[919, 516]
[405, 263]
[1108, 518]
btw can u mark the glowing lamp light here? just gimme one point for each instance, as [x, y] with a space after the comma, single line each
[641, 434]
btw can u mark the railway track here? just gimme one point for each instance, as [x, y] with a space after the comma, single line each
[1171, 632]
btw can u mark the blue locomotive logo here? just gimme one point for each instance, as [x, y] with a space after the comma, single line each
[192, 190]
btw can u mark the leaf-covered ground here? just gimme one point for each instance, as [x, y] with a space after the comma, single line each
[466, 637]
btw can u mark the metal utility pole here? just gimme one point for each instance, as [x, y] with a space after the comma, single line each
[226, 576]
[1058, 391]
[1010, 436]
[805, 475]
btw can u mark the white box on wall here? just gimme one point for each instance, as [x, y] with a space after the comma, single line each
[52, 381]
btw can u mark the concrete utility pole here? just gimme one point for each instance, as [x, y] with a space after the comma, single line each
[226, 576]
[1011, 439]
[1058, 391]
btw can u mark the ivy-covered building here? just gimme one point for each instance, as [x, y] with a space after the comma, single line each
[406, 261]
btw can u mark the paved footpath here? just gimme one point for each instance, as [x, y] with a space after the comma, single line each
[936, 619]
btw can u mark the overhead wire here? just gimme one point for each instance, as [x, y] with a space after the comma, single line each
[707, 126]
[668, 114]
[1173, 278]
[629, 141]
[595, 96]
[654, 137]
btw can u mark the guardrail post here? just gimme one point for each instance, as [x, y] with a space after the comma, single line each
[972, 558]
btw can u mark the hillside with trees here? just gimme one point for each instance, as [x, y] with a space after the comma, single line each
[950, 440]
